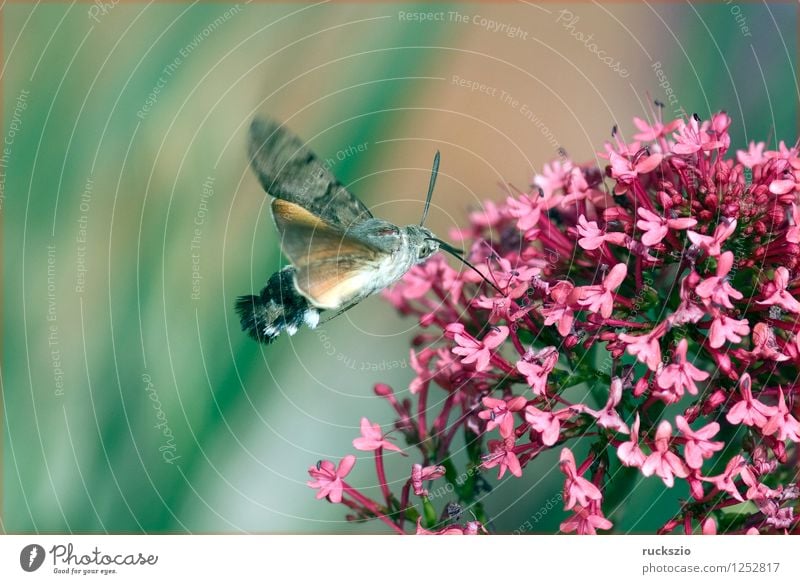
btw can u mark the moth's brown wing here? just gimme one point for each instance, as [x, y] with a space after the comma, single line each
[288, 170]
[332, 268]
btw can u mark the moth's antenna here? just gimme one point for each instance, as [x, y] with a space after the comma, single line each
[457, 254]
[434, 172]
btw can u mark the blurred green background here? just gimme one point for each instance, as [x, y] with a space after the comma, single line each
[131, 400]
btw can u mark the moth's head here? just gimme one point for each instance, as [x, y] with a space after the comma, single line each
[422, 241]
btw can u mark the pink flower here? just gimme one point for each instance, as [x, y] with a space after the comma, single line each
[716, 288]
[501, 452]
[662, 461]
[645, 348]
[629, 452]
[585, 522]
[329, 479]
[749, 411]
[625, 171]
[724, 329]
[698, 442]
[554, 177]
[600, 298]
[592, 237]
[608, 416]
[765, 347]
[577, 490]
[650, 133]
[681, 374]
[372, 438]
[560, 313]
[473, 350]
[712, 244]
[782, 423]
[419, 475]
[546, 423]
[753, 156]
[780, 296]
[656, 226]
[725, 481]
[691, 138]
[419, 363]
[536, 366]
[709, 526]
[501, 414]
[526, 210]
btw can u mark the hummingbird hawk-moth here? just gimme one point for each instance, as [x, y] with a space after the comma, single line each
[339, 253]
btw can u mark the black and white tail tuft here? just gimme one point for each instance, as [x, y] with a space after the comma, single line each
[279, 307]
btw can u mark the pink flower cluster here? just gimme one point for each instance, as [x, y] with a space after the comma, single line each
[647, 307]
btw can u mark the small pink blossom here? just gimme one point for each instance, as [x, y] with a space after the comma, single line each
[471, 528]
[372, 438]
[779, 295]
[329, 478]
[577, 490]
[662, 461]
[725, 481]
[692, 138]
[592, 237]
[682, 374]
[765, 347]
[553, 178]
[651, 132]
[656, 227]
[749, 411]
[724, 328]
[546, 423]
[629, 453]
[501, 452]
[585, 521]
[525, 209]
[608, 417]
[709, 526]
[698, 442]
[626, 171]
[536, 366]
[753, 156]
[782, 423]
[420, 474]
[716, 288]
[500, 414]
[474, 351]
[600, 298]
[711, 244]
[645, 348]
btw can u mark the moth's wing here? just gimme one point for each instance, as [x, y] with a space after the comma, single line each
[289, 170]
[331, 267]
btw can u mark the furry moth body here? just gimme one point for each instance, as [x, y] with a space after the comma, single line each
[339, 252]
